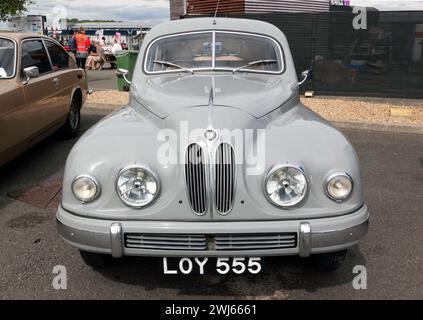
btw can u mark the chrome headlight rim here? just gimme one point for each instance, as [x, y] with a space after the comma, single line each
[149, 171]
[300, 200]
[96, 183]
[333, 176]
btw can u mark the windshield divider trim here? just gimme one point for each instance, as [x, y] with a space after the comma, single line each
[214, 50]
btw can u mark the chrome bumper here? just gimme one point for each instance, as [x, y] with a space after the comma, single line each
[314, 235]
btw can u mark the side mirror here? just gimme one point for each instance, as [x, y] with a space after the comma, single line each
[123, 73]
[305, 75]
[31, 72]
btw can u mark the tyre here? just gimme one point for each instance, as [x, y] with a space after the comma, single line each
[73, 122]
[95, 260]
[329, 261]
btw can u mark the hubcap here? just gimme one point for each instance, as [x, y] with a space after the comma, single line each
[73, 117]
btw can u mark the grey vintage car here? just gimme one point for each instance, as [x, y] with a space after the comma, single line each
[215, 156]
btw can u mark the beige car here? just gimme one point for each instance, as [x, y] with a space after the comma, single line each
[41, 90]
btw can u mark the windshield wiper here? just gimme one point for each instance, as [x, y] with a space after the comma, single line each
[253, 63]
[167, 63]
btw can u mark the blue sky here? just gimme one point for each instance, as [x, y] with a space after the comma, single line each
[158, 10]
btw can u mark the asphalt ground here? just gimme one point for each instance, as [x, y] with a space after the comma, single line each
[100, 80]
[392, 167]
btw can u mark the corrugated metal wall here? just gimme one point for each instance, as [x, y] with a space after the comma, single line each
[209, 6]
[263, 6]
[256, 6]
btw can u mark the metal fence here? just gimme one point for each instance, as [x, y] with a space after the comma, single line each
[385, 59]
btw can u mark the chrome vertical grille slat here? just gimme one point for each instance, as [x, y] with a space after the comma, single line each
[224, 178]
[195, 175]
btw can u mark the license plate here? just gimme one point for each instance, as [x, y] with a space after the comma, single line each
[221, 265]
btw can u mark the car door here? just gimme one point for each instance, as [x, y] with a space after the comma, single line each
[66, 76]
[40, 93]
[12, 102]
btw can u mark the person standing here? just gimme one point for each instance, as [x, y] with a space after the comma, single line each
[72, 44]
[82, 45]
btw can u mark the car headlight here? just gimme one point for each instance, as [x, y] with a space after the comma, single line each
[85, 188]
[137, 186]
[285, 186]
[339, 186]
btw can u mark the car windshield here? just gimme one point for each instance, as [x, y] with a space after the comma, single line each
[7, 58]
[223, 51]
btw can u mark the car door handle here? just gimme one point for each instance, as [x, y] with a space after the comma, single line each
[56, 82]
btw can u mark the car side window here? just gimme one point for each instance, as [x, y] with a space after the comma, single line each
[34, 54]
[59, 57]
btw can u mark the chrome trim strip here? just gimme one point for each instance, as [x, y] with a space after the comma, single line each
[304, 240]
[116, 240]
[214, 50]
[210, 176]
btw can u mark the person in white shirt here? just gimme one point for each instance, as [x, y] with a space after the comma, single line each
[116, 48]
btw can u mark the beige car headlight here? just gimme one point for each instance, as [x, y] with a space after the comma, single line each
[285, 186]
[339, 187]
[85, 188]
[137, 187]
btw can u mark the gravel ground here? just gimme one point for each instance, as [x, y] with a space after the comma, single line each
[110, 97]
[342, 109]
[366, 110]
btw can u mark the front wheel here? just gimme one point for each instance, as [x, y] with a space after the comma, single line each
[329, 261]
[72, 126]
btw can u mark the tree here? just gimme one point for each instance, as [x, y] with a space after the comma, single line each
[9, 8]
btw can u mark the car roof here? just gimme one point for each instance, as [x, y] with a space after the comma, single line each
[20, 35]
[226, 24]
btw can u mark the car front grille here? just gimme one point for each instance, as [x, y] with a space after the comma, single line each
[165, 242]
[218, 242]
[256, 241]
[225, 178]
[195, 175]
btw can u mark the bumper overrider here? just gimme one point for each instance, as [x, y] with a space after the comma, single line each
[311, 236]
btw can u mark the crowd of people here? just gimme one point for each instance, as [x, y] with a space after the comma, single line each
[89, 54]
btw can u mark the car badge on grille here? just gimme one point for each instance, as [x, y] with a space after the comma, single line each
[211, 244]
[210, 135]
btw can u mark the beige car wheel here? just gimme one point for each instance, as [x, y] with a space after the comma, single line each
[73, 122]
